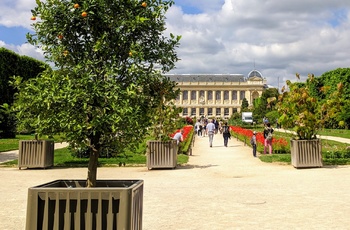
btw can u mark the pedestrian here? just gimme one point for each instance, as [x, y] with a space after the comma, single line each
[205, 123]
[268, 138]
[226, 133]
[196, 126]
[253, 143]
[179, 138]
[211, 130]
[216, 123]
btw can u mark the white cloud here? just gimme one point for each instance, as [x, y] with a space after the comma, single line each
[16, 13]
[24, 49]
[278, 37]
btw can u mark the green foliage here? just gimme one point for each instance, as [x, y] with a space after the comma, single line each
[304, 112]
[166, 114]
[245, 105]
[265, 104]
[12, 64]
[109, 64]
[329, 83]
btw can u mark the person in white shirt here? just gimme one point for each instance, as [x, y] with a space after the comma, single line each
[211, 131]
[179, 136]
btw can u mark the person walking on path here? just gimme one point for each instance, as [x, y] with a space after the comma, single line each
[268, 138]
[253, 143]
[226, 133]
[211, 131]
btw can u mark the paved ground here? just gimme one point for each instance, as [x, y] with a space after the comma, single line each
[220, 188]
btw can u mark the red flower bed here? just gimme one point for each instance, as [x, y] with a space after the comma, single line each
[278, 143]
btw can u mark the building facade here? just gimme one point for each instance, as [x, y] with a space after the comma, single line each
[216, 95]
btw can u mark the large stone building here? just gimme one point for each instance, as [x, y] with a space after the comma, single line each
[216, 95]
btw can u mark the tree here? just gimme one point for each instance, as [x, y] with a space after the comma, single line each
[265, 104]
[245, 105]
[305, 113]
[106, 53]
[12, 64]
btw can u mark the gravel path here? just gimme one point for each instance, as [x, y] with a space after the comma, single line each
[220, 188]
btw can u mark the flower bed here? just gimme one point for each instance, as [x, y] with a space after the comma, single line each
[280, 145]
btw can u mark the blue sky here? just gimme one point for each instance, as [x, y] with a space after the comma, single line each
[276, 37]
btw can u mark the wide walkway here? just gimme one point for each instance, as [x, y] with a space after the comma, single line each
[220, 188]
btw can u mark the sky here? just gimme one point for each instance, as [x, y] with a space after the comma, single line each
[276, 37]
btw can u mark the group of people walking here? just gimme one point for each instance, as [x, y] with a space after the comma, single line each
[211, 127]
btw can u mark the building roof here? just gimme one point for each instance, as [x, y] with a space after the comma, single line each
[206, 77]
[255, 74]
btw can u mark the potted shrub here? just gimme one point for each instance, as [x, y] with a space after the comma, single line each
[98, 95]
[162, 150]
[303, 112]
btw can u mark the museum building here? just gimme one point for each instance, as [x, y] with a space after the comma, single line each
[216, 95]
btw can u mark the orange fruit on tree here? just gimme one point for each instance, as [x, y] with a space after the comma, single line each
[33, 18]
[130, 54]
[60, 36]
[65, 53]
[76, 6]
[84, 14]
[144, 4]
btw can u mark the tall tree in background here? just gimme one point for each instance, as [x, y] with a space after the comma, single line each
[106, 54]
[265, 104]
[12, 64]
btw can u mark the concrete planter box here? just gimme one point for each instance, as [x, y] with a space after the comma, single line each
[161, 154]
[306, 153]
[68, 204]
[36, 153]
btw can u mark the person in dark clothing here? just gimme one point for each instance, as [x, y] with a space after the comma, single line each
[226, 133]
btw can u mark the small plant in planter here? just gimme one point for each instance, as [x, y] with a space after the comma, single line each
[305, 115]
[303, 112]
[162, 151]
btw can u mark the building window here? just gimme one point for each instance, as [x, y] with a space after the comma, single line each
[185, 111]
[226, 112]
[210, 95]
[234, 95]
[234, 110]
[218, 111]
[218, 95]
[201, 93]
[185, 95]
[193, 95]
[201, 111]
[193, 112]
[242, 95]
[226, 95]
[210, 112]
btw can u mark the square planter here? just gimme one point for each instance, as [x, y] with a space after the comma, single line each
[306, 153]
[36, 153]
[161, 154]
[68, 204]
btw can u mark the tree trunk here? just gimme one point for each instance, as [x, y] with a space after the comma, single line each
[92, 169]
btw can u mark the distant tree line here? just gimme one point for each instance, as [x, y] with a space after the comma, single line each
[12, 64]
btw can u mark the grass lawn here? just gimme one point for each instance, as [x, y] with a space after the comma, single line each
[9, 144]
[64, 158]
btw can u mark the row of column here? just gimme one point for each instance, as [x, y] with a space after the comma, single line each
[209, 112]
[198, 98]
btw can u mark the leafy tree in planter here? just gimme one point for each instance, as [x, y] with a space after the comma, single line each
[105, 53]
[166, 114]
[305, 113]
